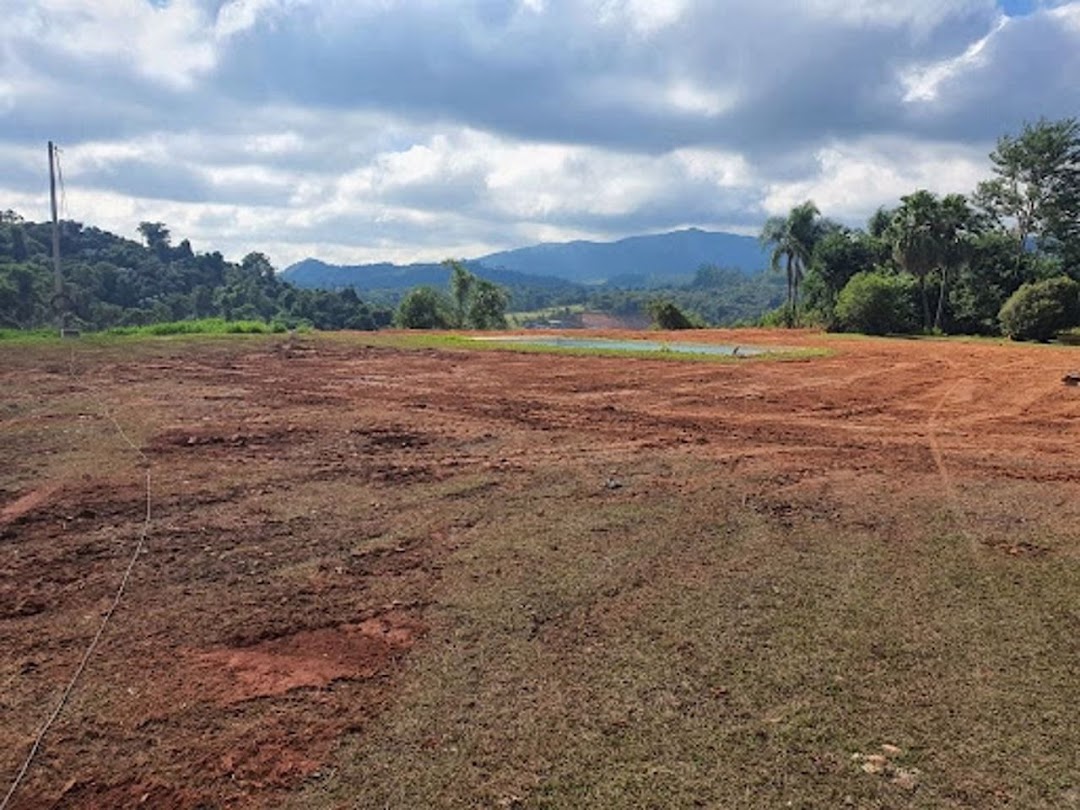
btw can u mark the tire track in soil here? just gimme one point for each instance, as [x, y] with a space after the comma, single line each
[948, 486]
[933, 431]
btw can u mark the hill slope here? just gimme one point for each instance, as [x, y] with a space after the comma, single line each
[671, 256]
[313, 273]
[674, 254]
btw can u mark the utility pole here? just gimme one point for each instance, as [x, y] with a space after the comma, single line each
[58, 281]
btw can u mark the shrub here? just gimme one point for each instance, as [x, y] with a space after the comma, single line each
[877, 303]
[423, 308]
[1038, 310]
[666, 315]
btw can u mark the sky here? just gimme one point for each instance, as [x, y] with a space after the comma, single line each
[415, 130]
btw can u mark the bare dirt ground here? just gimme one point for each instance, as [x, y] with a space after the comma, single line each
[319, 519]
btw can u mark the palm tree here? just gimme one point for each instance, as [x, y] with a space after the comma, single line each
[957, 224]
[928, 234]
[915, 238]
[792, 239]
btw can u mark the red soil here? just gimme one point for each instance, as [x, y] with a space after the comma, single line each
[303, 507]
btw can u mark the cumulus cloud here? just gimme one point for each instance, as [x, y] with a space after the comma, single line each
[409, 129]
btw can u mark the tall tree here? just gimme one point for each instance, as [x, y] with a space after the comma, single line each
[915, 238]
[157, 238]
[792, 239]
[1037, 188]
[487, 305]
[839, 255]
[462, 283]
[957, 225]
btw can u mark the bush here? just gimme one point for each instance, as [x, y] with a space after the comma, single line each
[423, 308]
[877, 303]
[1040, 309]
[665, 315]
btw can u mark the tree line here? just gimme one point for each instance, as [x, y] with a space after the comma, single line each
[109, 281]
[1002, 260]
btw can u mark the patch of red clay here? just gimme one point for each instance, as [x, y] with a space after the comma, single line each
[271, 762]
[27, 503]
[310, 658]
[132, 794]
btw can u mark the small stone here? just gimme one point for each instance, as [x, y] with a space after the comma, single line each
[892, 750]
[874, 763]
[905, 779]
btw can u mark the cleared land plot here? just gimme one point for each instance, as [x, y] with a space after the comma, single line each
[379, 576]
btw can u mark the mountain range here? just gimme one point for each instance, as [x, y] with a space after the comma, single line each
[650, 260]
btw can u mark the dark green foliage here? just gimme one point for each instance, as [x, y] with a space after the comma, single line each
[666, 315]
[982, 284]
[1040, 309]
[461, 288]
[839, 255]
[424, 308]
[878, 303]
[716, 296]
[487, 306]
[474, 303]
[111, 282]
[1037, 187]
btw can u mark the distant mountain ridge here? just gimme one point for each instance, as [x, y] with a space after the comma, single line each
[677, 253]
[312, 273]
[676, 256]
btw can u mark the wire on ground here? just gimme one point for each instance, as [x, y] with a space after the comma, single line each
[92, 646]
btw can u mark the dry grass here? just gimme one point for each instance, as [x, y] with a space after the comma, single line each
[667, 644]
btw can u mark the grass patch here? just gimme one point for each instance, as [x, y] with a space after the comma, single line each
[635, 649]
[28, 335]
[204, 326]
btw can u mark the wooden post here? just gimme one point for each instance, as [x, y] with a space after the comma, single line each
[58, 281]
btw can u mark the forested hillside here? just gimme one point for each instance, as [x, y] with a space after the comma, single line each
[387, 283]
[111, 281]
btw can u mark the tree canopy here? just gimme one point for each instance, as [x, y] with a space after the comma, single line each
[110, 281]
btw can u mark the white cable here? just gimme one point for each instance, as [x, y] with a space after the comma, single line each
[105, 619]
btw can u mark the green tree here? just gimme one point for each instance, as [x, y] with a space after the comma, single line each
[423, 308]
[462, 284]
[792, 239]
[957, 226]
[988, 276]
[915, 238]
[1037, 188]
[487, 304]
[1038, 310]
[157, 238]
[877, 303]
[838, 255]
[665, 314]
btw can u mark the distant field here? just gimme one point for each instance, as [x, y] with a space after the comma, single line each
[390, 573]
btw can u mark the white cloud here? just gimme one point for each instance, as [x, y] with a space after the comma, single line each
[644, 16]
[922, 82]
[166, 43]
[854, 179]
[1068, 15]
[922, 15]
[406, 129]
